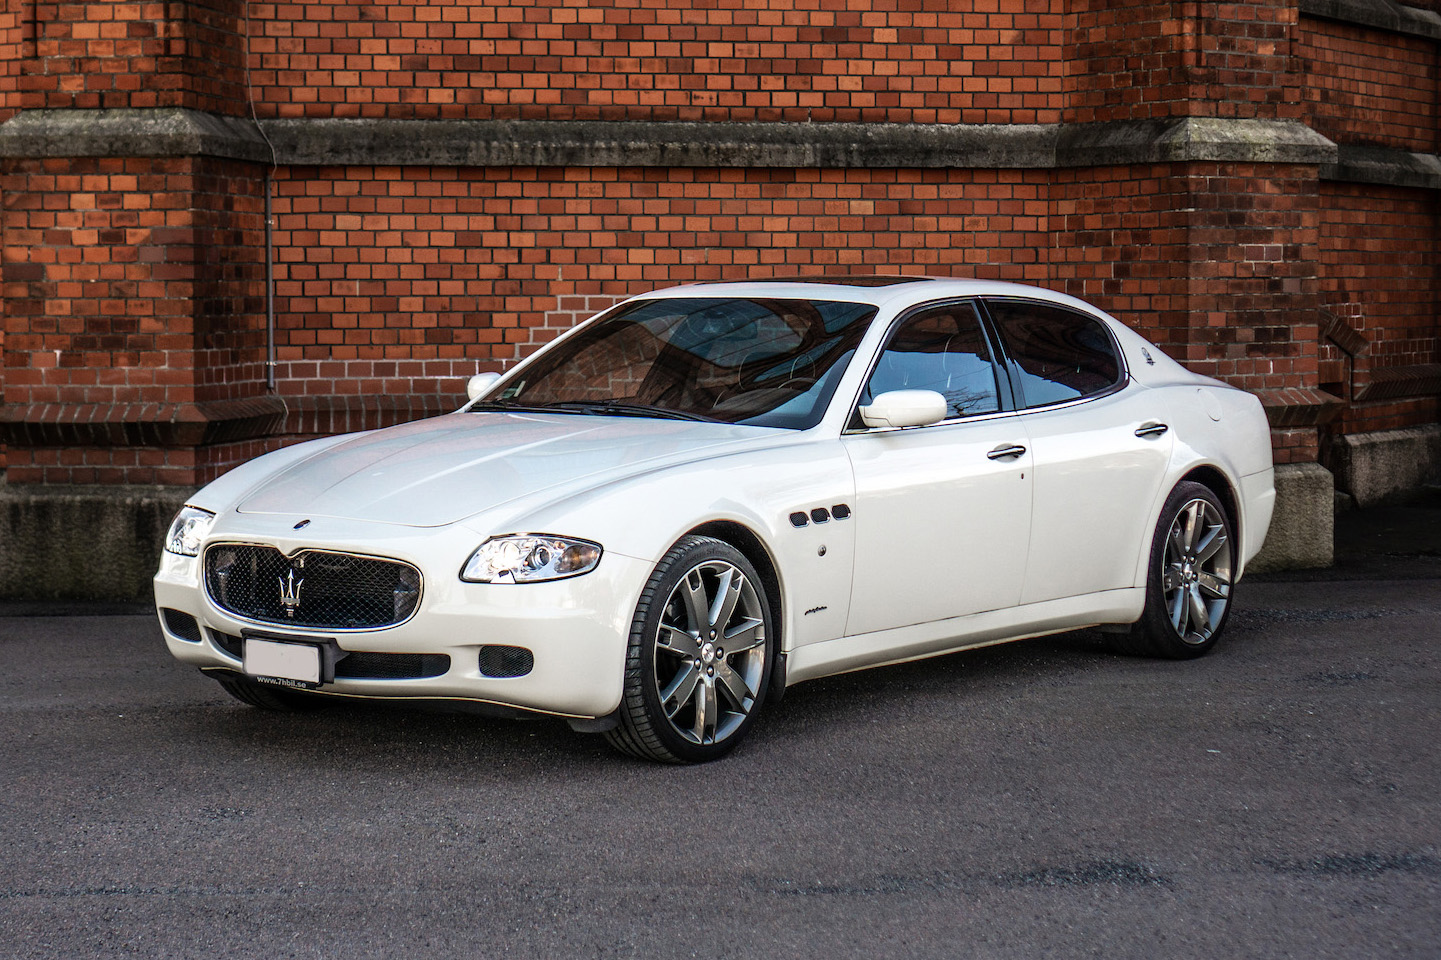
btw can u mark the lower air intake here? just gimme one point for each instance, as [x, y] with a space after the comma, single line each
[498, 661]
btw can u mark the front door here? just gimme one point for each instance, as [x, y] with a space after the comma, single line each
[943, 512]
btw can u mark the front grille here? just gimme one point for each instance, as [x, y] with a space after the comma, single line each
[392, 666]
[313, 588]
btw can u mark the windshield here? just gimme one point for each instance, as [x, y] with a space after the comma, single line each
[770, 363]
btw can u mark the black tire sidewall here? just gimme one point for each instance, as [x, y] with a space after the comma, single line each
[669, 573]
[1156, 620]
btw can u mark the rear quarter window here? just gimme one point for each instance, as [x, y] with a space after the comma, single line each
[1056, 354]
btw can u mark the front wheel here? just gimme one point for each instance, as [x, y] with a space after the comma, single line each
[1191, 577]
[700, 654]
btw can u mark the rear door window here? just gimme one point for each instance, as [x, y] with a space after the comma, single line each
[1057, 354]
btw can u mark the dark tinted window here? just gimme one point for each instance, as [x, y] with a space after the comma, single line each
[772, 363]
[1060, 354]
[940, 349]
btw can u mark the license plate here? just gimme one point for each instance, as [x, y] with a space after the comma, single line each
[291, 664]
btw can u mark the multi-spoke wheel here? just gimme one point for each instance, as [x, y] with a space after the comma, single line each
[700, 655]
[1192, 572]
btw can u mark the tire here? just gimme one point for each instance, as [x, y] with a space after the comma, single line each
[699, 660]
[1191, 579]
[265, 697]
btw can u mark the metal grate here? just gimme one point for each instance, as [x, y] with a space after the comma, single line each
[499, 661]
[231, 644]
[312, 588]
[183, 625]
[392, 666]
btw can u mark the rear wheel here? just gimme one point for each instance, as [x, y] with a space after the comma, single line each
[1191, 579]
[700, 654]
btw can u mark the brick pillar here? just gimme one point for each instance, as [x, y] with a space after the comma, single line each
[133, 248]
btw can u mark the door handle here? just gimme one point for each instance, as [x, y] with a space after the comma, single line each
[1151, 429]
[1005, 451]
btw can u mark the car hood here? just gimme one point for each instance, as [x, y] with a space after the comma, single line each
[442, 470]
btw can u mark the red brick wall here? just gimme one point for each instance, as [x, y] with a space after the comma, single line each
[1119, 241]
[98, 53]
[728, 60]
[132, 289]
[389, 279]
[1371, 86]
[1380, 266]
[141, 281]
[1128, 60]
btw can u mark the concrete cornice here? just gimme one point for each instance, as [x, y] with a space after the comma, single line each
[1191, 139]
[164, 132]
[1381, 14]
[1383, 165]
[584, 143]
[332, 142]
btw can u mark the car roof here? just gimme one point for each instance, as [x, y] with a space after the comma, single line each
[876, 289]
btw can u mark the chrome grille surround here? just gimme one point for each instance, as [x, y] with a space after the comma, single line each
[311, 588]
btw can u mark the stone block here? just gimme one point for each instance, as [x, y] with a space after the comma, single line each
[83, 543]
[1387, 465]
[1302, 524]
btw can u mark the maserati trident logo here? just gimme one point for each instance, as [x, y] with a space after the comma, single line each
[290, 592]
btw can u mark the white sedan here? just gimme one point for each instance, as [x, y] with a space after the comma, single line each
[709, 493]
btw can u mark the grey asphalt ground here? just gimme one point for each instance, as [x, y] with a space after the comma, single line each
[1279, 798]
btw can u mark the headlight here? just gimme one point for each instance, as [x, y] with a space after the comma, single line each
[528, 558]
[188, 528]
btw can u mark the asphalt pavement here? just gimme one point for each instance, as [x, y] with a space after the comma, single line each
[1278, 798]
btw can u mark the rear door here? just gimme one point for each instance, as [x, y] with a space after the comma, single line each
[1100, 447]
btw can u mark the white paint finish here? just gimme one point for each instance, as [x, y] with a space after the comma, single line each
[1097, 487]
[938, 637]
[941, 544]
[433, 472]
[757, 489]
[904, 408]
[941, 529]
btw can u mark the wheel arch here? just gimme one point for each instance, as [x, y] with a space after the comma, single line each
[1213, 479]
[749, 543]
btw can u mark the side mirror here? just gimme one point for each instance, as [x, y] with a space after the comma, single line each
[479, 384]
[905, 408]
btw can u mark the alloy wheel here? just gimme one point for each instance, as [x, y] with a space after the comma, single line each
[710, 652]
[1196, 571]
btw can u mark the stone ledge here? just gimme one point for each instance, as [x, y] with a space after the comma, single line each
[1382, 14]
[1302, 523]
[379, 142]
[1384, 165]
[1191, 139]
[580, 143]
[160, 132]
[140, 424]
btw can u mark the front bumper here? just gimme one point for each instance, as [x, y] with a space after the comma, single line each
[576, 629]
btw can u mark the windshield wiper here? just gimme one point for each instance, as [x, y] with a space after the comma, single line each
[622, 408]
[510, 406]
[611, 408]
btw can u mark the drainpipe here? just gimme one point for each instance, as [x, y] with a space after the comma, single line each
[269, 290]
